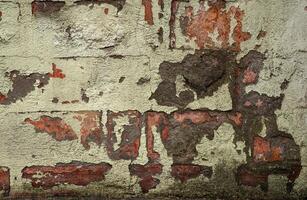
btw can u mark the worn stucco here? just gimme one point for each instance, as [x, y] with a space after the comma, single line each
[111, 58]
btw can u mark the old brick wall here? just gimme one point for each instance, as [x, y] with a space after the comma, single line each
[153, 98]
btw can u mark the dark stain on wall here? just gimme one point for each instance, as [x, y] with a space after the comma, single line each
[276, 152]
[129, 142]
[46, 6]
[22, 85]
[203, 72]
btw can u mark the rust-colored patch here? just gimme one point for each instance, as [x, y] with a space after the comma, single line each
[2, 97]
[57, 73]
[276, 153]
[148, 11]
[250, 76]
[194, 116]
[216, 18]
[5, 180]
[54, 126]
[236, 118]
[238, 35]
[76, 173]
[160, 121]
[146, 173]
[184, 172]
[262, 151]
[91, 128]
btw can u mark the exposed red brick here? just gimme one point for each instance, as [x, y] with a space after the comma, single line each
[91, 128]
[148, 11]
[129, 142]
[215, 18]
[57, 73]
[148, 183]
[75, 173]
[184, 172]
[204, 24]
[54, 126]
[238, 35]
[149, 169]
[261, 148]
[196, 117]
[262, 151]
[236, 118]
[2, 97]
[5, 180]
[146, 173]
[46, 6]
[172, 24]
[276, 153]
[249, 76]
[159, 120]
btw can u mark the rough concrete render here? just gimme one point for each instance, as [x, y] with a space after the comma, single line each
[147, 99]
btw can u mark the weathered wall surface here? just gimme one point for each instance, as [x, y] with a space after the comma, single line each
[153, 98]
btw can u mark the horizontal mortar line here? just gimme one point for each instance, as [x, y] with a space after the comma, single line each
[13, 56]
[100, 110]
[72, 57]
[110, 55]
[51, 111]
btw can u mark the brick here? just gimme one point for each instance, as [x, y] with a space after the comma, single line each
[281, 148]
[146, 173]
[4, 181]
[54, 126]
[76, 173]
[148, 16]
[160, 121]
[129, 142]
[91, 127]
[216, 17]
[184, 172]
